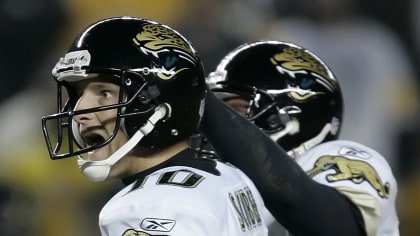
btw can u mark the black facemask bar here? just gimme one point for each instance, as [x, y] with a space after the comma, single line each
[255, 112]
[64, 118]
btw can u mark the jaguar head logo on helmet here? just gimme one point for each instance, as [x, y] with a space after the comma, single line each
[157, 39]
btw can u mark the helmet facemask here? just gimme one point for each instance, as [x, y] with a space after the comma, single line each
[263, 108]
[127, 107]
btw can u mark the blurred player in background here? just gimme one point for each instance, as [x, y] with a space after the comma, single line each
[312, 183]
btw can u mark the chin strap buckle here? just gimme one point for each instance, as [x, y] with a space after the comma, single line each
[162, 112]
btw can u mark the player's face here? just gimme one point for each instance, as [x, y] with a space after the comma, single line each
[239, 104]
[97, 127]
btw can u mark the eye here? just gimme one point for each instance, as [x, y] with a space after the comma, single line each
[107, 93]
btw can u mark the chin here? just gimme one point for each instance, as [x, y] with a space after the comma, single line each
[99, 154]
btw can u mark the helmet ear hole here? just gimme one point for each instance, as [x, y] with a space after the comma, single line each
[273, 121]
[149, 94]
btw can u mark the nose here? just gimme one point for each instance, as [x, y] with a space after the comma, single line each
[83, 103]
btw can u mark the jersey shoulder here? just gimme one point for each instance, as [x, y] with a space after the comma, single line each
[361, 174]
[183, 195]
[350, 164]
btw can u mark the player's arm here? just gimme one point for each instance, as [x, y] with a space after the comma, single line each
[302, 205]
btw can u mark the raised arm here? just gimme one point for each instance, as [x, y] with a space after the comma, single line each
[300, 204]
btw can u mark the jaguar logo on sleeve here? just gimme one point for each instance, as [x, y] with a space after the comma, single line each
[132, 232]
[353, 170]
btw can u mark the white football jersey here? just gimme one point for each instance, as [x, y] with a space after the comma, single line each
[360, 173]
[182, 200]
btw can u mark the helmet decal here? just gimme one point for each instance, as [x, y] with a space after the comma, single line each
[74, 61]
[294, 61]
[155, 39]
[301, 94]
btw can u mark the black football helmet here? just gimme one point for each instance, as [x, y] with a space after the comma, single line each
[161, 78]
[291, 94]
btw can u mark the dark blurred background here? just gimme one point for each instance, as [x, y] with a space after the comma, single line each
[373, 46]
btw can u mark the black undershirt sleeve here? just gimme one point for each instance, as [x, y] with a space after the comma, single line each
[300, 204]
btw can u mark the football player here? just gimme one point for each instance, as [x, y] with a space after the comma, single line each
[130, 93]
[312, 183]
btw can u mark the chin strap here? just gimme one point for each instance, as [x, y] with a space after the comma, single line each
[298, 151]
[99, 170]
[292, 127]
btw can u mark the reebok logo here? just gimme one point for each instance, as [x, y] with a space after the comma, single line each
[153, 224]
